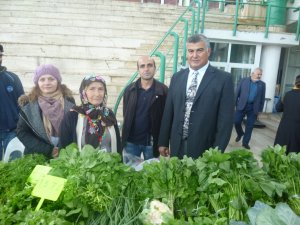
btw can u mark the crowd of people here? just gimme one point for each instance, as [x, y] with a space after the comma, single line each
[196, 112]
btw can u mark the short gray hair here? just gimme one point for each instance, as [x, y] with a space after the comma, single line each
[258, 68]
[195, 38]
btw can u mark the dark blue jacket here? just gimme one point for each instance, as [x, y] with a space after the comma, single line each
[10, 90]
[242, 93]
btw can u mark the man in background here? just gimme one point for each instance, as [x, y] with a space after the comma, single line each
[10, 90]
[250, 99]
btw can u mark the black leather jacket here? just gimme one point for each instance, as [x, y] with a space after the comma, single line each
[157, 108]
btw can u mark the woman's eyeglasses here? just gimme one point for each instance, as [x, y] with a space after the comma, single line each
[94, 77]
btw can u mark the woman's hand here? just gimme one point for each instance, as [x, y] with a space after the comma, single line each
[55, 152]
[164, 151]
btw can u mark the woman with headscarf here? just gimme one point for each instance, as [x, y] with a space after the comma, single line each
[42, 111]
[288, 133]
[92, 122]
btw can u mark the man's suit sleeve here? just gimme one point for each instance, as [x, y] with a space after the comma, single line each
[167, 119]
[225, 115]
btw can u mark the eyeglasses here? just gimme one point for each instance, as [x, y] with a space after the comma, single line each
[94, 77]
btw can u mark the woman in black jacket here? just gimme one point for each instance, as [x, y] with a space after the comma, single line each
[92, 122]
[42, 111]
[288, 133]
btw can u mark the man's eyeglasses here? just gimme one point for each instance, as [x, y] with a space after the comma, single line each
[94, 77]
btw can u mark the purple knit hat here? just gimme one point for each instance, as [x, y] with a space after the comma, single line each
[46, 69]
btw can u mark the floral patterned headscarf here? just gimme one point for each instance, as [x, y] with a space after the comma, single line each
[98, 117]
[87, 80]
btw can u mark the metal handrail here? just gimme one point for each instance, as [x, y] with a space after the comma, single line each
[154, 52]
[195, 25]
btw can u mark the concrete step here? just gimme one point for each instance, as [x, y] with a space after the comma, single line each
[83, 31]
[91, 4]
[118, 23]
[73, 18]
[54, 9]
[71, 40]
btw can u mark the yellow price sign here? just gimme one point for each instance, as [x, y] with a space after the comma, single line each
[49, 187]
[38, 173]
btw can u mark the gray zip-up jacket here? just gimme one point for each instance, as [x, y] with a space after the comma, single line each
[31, 130]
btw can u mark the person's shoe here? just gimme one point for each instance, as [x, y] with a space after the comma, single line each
[238, 138]
[246, 146]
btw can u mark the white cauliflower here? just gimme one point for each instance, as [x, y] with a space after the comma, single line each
[156, 213]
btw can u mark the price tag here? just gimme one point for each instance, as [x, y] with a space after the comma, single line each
[49, 187]
[38, 173]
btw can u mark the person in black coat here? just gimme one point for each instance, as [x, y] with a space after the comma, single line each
[200, 105]
[10, 90]
[288, 133]
[92, 122]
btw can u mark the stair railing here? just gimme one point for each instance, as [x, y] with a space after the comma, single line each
[187, 19]
[170, 32]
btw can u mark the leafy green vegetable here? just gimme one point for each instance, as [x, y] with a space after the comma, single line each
[171, 181]
[93, 179]
[285, 169]
[262, 214]
[217, 188]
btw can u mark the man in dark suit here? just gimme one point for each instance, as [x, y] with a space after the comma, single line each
[200, 105]
[250, 99]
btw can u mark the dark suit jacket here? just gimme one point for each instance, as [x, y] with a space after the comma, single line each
[242, 94]
[211, 115]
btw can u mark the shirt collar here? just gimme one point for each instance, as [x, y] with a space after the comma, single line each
[139, 85]
[201, 70]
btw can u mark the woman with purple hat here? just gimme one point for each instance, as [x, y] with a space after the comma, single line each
[42, 111]
[92, 122]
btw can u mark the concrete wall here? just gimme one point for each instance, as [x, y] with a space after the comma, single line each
[81, 37]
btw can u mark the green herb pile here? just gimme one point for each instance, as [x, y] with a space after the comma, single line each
[217, 188]
[285, 169]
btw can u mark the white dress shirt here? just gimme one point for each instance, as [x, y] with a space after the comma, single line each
[201, 73]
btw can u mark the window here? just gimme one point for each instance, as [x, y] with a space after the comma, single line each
[219, 52]
[242, 53]
[238, 74]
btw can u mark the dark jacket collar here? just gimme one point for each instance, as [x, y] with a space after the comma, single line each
[158, 90]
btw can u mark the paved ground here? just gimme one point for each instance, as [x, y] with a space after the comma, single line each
[261, 137]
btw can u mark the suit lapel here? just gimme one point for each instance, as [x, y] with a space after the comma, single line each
[208, 76]
[183, 80]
